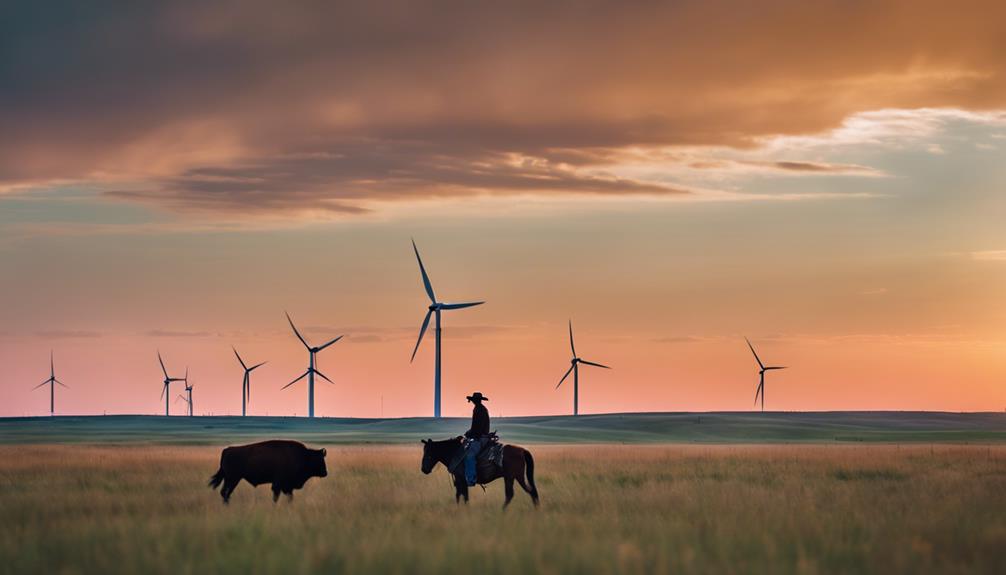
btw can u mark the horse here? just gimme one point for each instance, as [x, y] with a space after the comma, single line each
[516, 460]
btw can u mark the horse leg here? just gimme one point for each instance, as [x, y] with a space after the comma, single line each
[508, 489]
[460, 489]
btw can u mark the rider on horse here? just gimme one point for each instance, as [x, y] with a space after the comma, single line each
[477, 437]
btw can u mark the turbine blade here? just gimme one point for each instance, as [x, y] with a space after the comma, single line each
[52, 365]
[164, 369]
[594, 364]
[775, 367]
[61, 383]
[297, 333]
[163, 389]
[569, 371]
[571, 346]
[461, 305]
[302, 376]
[254, 367]
[325, 377]
[329, 343]
[239, 357]
[758, 391]
[426, 278]
[422, 330]
[40, 385]
[760, 364]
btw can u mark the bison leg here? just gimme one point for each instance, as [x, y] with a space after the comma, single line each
[508, 490]
[275, 492]
[229, 484]
[289, 495]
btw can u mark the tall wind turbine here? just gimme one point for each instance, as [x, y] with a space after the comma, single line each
[52, 381]
[246, 383]
[311, 369]
[435, 308]
[165, 390]
[762, 368]
[575, 369]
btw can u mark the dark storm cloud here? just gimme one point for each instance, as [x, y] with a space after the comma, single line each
[262, 106]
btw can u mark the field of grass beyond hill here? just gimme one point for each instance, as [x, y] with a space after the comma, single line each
[740, 427]
[654, 509]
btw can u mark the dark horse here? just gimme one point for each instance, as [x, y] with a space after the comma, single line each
[450, 452]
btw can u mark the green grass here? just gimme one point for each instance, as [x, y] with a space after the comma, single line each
[605, 509]
[732, 428]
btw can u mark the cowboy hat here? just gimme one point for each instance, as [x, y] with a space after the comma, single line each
[477, 395]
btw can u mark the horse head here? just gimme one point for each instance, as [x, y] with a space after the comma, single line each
[435, 452]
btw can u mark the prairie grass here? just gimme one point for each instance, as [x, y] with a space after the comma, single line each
[605, 509]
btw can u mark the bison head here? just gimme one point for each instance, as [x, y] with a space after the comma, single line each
[316, 464]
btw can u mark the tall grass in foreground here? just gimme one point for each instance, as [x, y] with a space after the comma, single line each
[605, 509]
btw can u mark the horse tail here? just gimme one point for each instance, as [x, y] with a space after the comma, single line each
[529, 470]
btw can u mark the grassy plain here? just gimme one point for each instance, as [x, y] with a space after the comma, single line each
[722, 427]
[605, 509]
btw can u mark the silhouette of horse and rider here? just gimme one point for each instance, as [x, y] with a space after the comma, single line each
[477, 458]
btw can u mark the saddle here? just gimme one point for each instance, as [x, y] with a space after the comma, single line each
[487, 460]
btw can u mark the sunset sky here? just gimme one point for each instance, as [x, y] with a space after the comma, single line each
[826, 178]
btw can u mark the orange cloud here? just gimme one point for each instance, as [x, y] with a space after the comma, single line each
[246, 107]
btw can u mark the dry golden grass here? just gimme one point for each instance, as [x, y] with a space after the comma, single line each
[605, 509]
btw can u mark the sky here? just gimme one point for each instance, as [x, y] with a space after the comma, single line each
[826, 179]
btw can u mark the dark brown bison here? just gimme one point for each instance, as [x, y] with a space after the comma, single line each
[287, 465]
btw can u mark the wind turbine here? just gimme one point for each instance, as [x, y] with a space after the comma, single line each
[435, 307]
[188, 390]
[246, 383]
[167, 384]
[52, 381]
[762, 368]
[575, 369]
[311, 369]
[186, 400]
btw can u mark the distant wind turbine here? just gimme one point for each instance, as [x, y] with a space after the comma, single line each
[52, 381]
[188, 391]
[166, 389]
[246, 383]
[575, 369]
[762, 368]
[311, 369]
[435, 307]
[186, 400]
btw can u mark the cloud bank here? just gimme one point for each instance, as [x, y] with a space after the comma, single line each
[255, 107]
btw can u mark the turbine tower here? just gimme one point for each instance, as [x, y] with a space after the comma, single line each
[762, 368]
[246, 383]
[52, 381]
[166, 389]
[575, 369]
[435, 308]
[311, 369]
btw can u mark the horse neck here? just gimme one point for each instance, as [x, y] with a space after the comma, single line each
[445, 450]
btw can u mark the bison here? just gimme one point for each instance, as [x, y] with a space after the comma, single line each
[286, 464]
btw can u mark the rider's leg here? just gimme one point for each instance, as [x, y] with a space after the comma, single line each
[471, 452]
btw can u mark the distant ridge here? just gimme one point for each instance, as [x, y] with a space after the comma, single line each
[641, 428]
